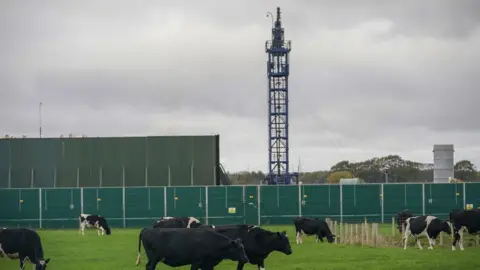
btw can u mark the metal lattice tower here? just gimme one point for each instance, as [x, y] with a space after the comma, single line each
[278, 51]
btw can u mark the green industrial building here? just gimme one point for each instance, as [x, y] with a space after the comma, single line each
[111, 162]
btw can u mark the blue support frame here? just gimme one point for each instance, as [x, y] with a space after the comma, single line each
[278, 71]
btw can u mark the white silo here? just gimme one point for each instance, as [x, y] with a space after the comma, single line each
[443, 162]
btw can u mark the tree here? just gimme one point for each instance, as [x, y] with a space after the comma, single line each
[465, 166]
[334, 177]
[465, 170]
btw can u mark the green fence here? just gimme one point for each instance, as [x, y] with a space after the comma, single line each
[139, 206]
[109, 162]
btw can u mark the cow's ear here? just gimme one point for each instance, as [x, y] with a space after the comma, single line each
[47, 260]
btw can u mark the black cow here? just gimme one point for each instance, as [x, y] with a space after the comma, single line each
[402, 218]
[258, 243]
[94, 221]
[312, 226]
[201, 248]
[22, 244]
[464, 220]
[429, 225]
[177, 222]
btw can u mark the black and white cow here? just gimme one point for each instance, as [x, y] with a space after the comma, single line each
[258, 242]
[201, 248]
[22, 244]
[402, 218]
[312, 226]
[430, 226]
[177, 222]
[94, 221]
[464, 220]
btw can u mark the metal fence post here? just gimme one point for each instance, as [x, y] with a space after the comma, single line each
[423, 199]
[40, 208]
[259, 206]
[341, 202]
[382, 197]
[206, 205]
[100, 177]
[165, 209]
[81, 200]
[464, 196]
[32, 177]
[299, 200]
[123, 206]
[78, 177]
[10, 177]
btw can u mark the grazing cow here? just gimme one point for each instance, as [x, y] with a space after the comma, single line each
[258, 243]
[312, 226]
[402, 218]
[429, 225]
[177, 222]
[22, 244]
[94, 221]
[464, 220]
[201, 248]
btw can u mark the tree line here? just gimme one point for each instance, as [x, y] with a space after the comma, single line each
[391, 169]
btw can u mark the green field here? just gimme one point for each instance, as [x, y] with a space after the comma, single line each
[70, 251]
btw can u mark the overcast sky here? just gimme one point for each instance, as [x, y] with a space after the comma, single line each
[367, 78]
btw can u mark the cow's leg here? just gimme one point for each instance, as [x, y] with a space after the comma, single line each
[240, 266]
[405, 238]
[430, 242]
[194, 267]
[23, 259]
[461, 238]
[261, 265]
[298, 237]
[82, 228]
[152, 264]
[418, 242]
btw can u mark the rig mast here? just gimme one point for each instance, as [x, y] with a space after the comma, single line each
[278, 51]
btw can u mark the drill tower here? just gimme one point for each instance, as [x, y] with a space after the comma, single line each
[278, 51]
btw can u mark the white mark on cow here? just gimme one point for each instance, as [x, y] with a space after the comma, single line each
[460, 241]
[2, 253]
[191, 220]
[261, 268]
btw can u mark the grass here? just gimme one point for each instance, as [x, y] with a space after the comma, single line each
[70, 251]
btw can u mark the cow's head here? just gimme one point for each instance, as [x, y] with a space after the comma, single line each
[331, 238]
[281, 243]
[237, 251]
[42, 264]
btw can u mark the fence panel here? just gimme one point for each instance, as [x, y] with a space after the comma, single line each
[472, 194]
[320, 201]
[398, 197]
[106, 202]
[19, 208]
[252, 205]
[361, 201]
[279, 204]
[440, 199]
[60, 208]
[143, 206]
[226, 205]
[139, 206]
[186, 201]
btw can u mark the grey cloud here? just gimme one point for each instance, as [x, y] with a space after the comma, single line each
[114, 67]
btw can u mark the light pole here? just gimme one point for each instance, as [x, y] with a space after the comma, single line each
[40, 119]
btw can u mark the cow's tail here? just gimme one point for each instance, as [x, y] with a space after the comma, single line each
[139, 248]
